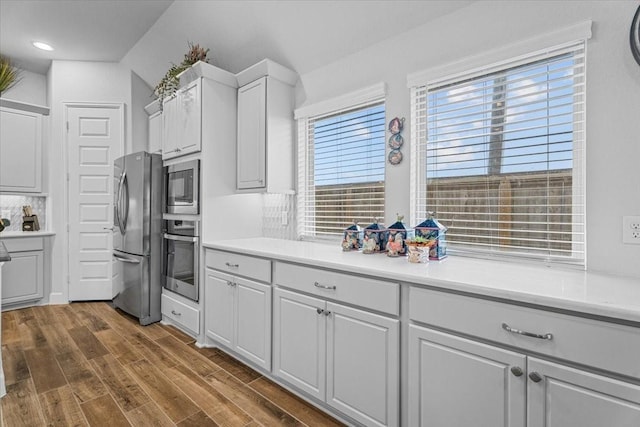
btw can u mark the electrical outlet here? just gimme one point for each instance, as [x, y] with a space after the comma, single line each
[631, 229]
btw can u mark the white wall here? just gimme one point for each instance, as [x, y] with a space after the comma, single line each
[141, 95]
[76, 81]
[32, 89]
[613, 99]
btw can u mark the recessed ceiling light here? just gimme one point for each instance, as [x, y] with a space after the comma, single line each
[43, 46]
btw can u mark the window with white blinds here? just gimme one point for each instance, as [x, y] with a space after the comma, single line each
[341, 160]
[500, 157]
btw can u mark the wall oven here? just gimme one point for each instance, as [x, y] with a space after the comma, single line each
[182, 186]
[181, 251]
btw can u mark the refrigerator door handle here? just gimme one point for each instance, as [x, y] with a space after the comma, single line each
[125, 194]
[119, 203]
[126, 259]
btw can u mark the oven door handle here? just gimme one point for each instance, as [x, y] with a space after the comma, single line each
[126, 259]
[180, 238]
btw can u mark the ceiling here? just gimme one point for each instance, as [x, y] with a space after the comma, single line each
[150, 35]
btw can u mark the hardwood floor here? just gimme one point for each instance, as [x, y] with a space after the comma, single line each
[86, 364]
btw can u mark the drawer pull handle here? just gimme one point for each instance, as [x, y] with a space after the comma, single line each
[527, 334]
[319, 310]
[535, 377]
[228, 264]
[517, 371]
[320, 285]
[175, 313]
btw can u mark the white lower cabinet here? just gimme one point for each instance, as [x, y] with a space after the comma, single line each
[456, 381]
[238, 315]
[23, 278]
[343, 356]
[565, 396]
[180, 313]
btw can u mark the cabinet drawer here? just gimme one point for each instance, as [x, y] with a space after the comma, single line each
[181, 313]
[23, 244]
[241, 265]
[364, 292]
[590, 342]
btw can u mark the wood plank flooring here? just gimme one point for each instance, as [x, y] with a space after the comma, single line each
[86, 364]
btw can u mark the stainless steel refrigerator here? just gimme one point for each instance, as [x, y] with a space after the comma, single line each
[137, 239]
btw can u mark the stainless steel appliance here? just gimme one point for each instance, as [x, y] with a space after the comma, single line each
[137, 239]
[182, 188]
[181, 249]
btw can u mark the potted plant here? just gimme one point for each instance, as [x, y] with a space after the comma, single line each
[9, 75]
[169, 84]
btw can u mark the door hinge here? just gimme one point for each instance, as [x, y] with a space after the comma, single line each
[68, 279]
[68, 177]
[68, 228]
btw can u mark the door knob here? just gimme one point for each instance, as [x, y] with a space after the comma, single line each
[535, 377]
[517, 371]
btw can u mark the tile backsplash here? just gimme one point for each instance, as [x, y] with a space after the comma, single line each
[275, 209]
[13, 204]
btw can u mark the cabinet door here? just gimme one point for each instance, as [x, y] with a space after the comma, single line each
[23, 277]
[155, 132]
[571, 397]
[189, 118]
[363, 365]
[219, 307]
[251, 167]
[458, 382]
[299, 339]
[170, 127]
[253, 321]
[20, 151]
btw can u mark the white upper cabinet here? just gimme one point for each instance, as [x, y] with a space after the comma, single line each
[182, 119]
[154, 144]
[266, 128]
[21, 136]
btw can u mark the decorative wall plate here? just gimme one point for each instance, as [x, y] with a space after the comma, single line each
[634, 36]
[396, 141]
[395, 157]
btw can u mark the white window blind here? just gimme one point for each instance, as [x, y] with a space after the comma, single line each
[341, 160]
[499, 156]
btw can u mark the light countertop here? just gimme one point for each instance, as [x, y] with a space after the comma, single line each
[590, 293]
[15, 234]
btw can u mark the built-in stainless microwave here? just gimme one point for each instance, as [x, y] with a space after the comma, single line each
[182, 186]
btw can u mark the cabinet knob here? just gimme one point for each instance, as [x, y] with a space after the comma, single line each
[535, 377]
[327, 313]
[517, 371]
[319, 310]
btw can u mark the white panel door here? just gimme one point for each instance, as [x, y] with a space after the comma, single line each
[95, 138]
[252, 134]
[219, 297]
[299, 341]
[564, 396]
[253, 321]
[458, 382]
[363, 366]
